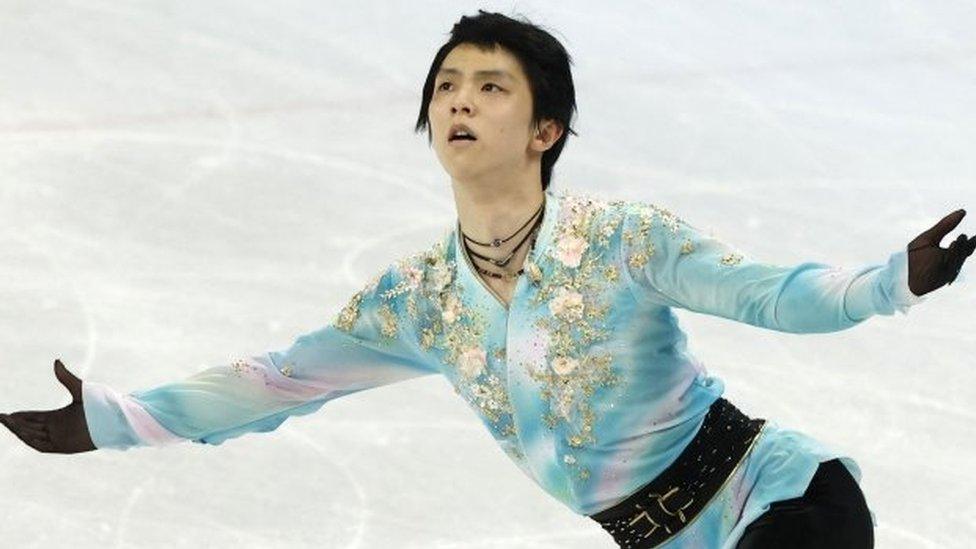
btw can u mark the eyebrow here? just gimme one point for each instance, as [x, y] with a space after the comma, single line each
[478, 74]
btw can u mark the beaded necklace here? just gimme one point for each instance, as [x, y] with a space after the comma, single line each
[533, 233]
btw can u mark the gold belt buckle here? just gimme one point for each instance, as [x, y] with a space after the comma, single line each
[669, 520]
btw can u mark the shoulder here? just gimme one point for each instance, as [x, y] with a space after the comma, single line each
[392, 290]
[426, 271]
[587, 216]
[599, 219]
[624, 231]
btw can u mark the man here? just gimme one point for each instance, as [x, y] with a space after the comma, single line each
[551, 316]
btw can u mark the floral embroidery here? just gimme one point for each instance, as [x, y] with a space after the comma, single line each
[639, 259]
[535, 274]
[428, 336]
[428, 288]
[575, 295]
[564, 366]
[491, 398]
[642, 247]
[348, 315]
[459, 332]
[472, 362]
[452, 308]
[646, 213]
[389, 321]
[462, 343]
[346, 319]
[440, 277]
[568, 304]
[731, 258]
[242, 369]
[569, 250]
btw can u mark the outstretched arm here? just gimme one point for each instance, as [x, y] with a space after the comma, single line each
[368, 344]
[671, 262]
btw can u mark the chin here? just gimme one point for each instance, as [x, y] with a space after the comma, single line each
[460, 170]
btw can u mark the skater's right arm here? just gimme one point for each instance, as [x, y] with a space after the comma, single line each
[368, 344]
[61, 431]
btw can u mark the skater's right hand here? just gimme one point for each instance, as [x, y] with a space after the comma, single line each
[61, 431]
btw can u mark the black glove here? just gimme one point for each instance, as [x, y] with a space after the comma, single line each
[61, 431]
[930, 266]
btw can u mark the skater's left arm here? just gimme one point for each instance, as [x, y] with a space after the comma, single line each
[672, 262]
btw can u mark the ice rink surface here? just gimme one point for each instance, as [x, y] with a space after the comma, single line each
[185, 183]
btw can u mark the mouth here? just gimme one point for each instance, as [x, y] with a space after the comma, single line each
[460, 134]
[460, 142]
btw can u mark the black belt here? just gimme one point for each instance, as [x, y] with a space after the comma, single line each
[662, 508]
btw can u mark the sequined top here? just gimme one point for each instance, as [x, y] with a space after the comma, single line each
[584, 380]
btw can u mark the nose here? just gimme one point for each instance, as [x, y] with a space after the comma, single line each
[460, 102]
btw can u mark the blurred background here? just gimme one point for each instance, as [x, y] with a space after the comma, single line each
[183, 183]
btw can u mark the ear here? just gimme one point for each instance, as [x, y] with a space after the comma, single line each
[546, 135]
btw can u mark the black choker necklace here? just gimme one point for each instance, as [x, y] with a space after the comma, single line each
[504, 275]
[499, 241]
[505, 260]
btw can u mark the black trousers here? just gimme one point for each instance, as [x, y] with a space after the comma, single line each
[832, 513]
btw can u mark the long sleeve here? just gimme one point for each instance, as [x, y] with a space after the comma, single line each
[369, 343]
[671, 262]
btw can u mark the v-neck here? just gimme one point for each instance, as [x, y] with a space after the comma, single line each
[541, 243]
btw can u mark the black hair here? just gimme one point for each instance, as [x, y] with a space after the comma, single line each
[544, 61]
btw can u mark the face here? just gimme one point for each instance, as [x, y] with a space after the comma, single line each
[496, 106]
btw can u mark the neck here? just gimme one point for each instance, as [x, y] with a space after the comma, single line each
[487, 212]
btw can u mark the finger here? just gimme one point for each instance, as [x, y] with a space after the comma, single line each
[34, 442]
[953, 255]
[956, 247]
[20, 428]
[30, 419]
[44, 446]
[38, 436]
[39, 444]
[954, 259]
[40, 432]
[946, 224]
[69, 380]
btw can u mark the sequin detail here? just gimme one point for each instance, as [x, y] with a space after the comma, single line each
[731, 259]
[574, 295]
[457, 332]
[349, 314]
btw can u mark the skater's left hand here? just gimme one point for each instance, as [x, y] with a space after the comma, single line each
[930, 266]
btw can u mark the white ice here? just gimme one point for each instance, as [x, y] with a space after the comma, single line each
[185, 182]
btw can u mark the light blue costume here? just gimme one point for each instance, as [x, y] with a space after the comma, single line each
[585, 380]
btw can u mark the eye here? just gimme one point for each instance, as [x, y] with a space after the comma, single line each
[442, 84]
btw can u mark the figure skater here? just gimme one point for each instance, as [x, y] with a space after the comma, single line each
[551, 314]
